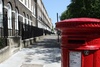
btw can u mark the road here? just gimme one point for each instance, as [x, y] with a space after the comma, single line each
[45, 53]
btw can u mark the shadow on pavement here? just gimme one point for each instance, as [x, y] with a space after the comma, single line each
[48, 55]
[47, 50]
[47, 43]
[51, 55]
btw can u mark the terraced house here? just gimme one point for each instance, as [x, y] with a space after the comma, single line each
[21, 23]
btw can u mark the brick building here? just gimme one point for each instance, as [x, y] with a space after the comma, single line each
[21, 23]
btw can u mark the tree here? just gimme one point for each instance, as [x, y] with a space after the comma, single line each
[63, 16]
[82, 8]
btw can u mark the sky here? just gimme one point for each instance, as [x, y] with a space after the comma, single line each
[55, 6]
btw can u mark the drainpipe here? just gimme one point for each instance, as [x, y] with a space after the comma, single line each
[36, 11]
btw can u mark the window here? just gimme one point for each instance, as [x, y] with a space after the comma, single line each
[39, 14]
[30, 18]
[24, 18]
[24, 21]
[9, 14]
[25, 2]
[28, 3]
[16, 19]
[22, 0]
[1, 13]
[27, 22]
[30, 21]
[31, 6]
[34, 10]
[27, 19]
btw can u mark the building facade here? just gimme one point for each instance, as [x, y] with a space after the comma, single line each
[22, 22]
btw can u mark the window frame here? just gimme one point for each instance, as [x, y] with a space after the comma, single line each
[9, 16]
[16, 19]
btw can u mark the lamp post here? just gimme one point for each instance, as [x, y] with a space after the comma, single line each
[58, 32]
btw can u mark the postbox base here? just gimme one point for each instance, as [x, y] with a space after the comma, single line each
[80, 58]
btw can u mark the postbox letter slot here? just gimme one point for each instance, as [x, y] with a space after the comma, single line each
[76, 41]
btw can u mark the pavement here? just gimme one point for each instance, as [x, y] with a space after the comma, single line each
[45, 53]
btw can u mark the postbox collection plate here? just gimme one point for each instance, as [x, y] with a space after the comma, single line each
[74, 59]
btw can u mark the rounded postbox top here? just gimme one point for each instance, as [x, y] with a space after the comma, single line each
[78, 23]
[81, 20]
[80, 33]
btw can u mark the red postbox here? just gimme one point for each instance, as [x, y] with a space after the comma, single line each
[80, 42]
